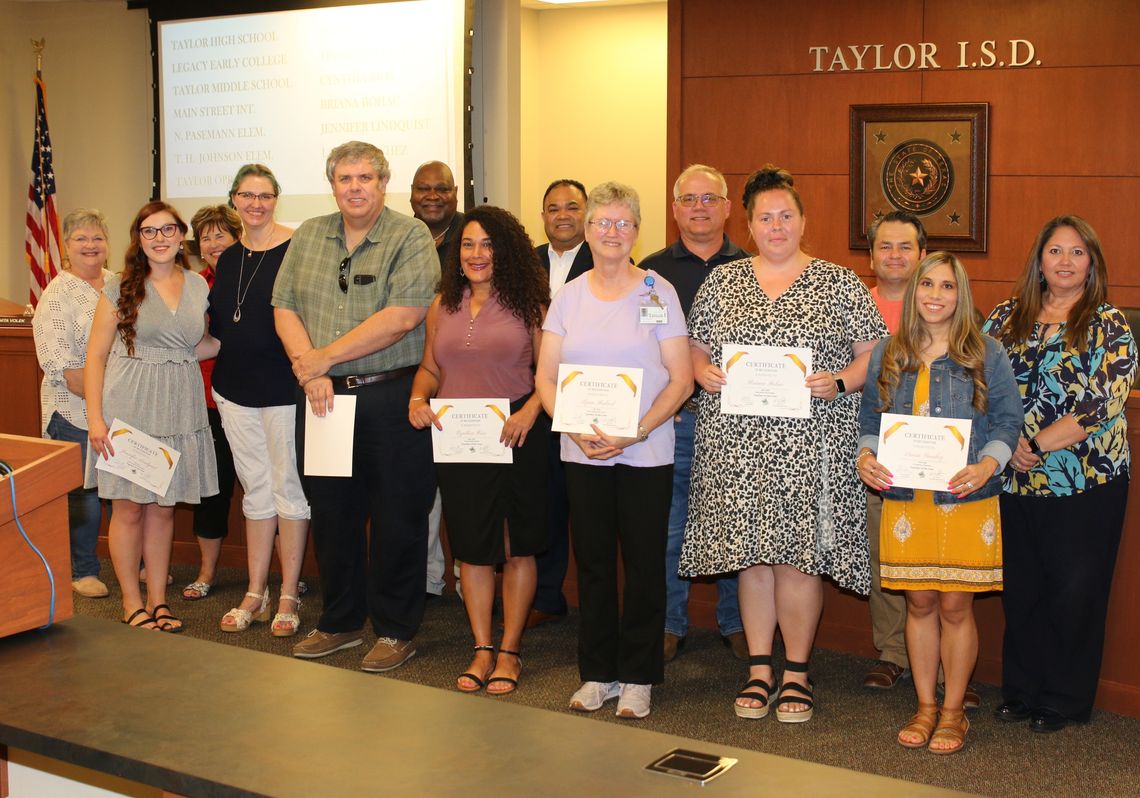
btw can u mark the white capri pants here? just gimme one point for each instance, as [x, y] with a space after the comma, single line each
[263, 442]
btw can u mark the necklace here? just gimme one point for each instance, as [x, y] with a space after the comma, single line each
[268, 244]
[439, 237]
[240, 293]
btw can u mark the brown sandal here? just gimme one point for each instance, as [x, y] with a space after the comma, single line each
[922, 724]
[952, 727]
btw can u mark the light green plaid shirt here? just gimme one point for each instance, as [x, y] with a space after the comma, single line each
[398, 253]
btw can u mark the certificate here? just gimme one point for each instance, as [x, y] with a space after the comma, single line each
[329, 438]
[923, 452]
[139, 458]
[471, 431]
[608, 396]
[766, 381]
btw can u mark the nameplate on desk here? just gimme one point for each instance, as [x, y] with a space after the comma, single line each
[15, 321]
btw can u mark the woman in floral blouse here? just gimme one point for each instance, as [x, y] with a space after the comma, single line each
[1063, 511]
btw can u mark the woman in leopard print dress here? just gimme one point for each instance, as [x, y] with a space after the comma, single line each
[776, 498]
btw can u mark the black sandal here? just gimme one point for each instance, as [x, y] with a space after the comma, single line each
[755, 713]
[146, 623]
[514, 683]
[479, 683]
[166, 616]
[805, 696]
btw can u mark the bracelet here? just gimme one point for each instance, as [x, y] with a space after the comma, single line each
[859, 457]
[414, 398]
[1035, 447]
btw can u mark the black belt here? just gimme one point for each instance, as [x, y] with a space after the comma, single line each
[353, 381]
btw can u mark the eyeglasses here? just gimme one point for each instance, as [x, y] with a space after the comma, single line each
[249, 196]
[623, 226]
[167, 231]
[342, 278]
[689, 200]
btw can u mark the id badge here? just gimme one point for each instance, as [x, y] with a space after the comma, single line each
[652, 310]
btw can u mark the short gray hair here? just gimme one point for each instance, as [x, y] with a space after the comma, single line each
[84, 217]
[700, 169]
[358, 151]
[612, 193]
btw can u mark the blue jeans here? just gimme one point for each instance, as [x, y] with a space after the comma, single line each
[676, 588]
[84, 512]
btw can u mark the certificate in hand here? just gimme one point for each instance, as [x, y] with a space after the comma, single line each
[139, 458]
[471, 431]
[921, 451]
[608, 396]
[766, 381]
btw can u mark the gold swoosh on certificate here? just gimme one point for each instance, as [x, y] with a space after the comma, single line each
[957, 435]
[629, 381]
[570, 378]
[443, 410]
[169, 459]
[119, 432]
[732, 361]
[796, 359]
[894, 428]
[496, 411]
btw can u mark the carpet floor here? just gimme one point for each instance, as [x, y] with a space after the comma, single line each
[852, 728]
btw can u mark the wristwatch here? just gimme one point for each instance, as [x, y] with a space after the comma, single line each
[1035, 447]
[642, 433]
[842, 388]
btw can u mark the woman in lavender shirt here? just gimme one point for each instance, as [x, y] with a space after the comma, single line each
[619, 488]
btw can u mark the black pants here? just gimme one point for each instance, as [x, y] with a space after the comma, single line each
[1059, 555]
[379, 576]
[551, 564]
[212, 515]
[611, 507]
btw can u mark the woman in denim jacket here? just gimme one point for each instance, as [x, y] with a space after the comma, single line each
[941, 547]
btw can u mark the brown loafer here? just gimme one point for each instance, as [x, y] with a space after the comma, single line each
[737, 643]
[538, 618]
[884, 675]
[673, 644]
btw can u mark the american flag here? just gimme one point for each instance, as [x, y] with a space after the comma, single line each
[41, 242]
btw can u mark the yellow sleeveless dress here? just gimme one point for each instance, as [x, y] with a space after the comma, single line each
[945, 547]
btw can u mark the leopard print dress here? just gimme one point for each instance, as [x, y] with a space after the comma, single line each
[781, 490]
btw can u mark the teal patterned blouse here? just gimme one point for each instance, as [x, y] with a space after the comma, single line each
[1092, 385]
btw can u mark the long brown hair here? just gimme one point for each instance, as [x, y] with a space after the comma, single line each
[967, 346]
[132, 289]
[1030, 289]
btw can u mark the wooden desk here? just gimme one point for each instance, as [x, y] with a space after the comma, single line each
[200, 718]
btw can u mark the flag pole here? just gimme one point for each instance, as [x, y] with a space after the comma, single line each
[38, 49]
[42, 242]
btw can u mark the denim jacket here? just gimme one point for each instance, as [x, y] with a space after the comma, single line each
[994, 433]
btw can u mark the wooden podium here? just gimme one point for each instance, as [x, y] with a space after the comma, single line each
[45, 471]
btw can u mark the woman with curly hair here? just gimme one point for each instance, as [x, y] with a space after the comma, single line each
[941, 547]
[147, 337]
[483, 334]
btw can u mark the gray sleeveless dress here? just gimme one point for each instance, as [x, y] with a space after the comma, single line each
[159, 391]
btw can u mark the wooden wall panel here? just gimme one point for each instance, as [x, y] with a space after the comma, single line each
[743, 37]
[1052, 121]
[798, 121]
[1063, 34]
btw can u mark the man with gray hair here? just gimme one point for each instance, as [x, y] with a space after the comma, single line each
[700, 208]
[349, 305]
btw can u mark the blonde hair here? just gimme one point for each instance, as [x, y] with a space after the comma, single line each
[966, 347]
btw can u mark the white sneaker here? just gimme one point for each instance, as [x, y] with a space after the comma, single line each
[591, 695]
[634, 701]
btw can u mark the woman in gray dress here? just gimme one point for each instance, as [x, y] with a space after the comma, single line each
[148, 334]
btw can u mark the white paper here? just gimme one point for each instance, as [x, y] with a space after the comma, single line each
[608, 396]
[471, 431]
[139, 458]
[328, 440]
[766, 381]
[922, 451]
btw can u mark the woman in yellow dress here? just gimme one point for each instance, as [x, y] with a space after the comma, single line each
[942, 546]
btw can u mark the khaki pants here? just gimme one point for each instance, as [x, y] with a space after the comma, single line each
[888, 610]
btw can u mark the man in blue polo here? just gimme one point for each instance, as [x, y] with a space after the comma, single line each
[700, 208]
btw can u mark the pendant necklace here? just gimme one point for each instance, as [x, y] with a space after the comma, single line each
[241, 295]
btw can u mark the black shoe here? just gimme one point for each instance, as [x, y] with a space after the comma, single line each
[1013, 712]
[1046, 721]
